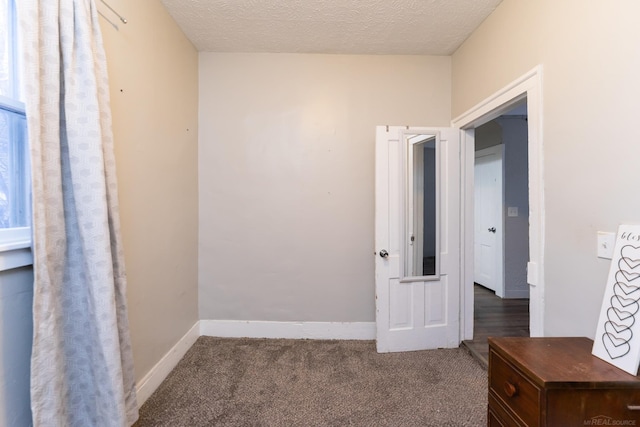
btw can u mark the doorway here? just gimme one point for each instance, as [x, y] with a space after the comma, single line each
[501, 246]
[527, 87]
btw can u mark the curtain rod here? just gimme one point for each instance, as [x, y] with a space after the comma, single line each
[113, 24]
[124, 21]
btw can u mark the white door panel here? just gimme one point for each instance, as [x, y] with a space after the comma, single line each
[415, 312]
[489, 224]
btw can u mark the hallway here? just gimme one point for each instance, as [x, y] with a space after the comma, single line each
[493, 317]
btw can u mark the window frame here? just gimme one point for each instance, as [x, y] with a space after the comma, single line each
[15, 242]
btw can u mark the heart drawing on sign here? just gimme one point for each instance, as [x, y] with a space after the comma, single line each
[617, 331]
[626, 275]
[625, 304]
[629, 264]
[631, 255]
[616, 348]
[623, 318]
[621, 288]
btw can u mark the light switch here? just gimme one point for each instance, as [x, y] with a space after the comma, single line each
[512, 211]
[606, 242]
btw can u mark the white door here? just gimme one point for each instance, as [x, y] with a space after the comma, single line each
[417, 238]
[489, 228]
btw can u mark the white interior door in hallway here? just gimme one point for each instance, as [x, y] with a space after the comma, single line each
[417, 238]
[489, 222]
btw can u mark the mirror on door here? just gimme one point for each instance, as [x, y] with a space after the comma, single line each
[421, 246]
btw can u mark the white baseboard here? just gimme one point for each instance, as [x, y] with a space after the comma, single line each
[291, 330]
[159, 372]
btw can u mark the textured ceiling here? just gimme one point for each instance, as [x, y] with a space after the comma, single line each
[423, 27]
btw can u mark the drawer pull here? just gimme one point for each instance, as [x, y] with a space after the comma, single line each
[510, 389]
[633, 407]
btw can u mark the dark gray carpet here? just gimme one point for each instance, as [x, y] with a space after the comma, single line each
[260, 382]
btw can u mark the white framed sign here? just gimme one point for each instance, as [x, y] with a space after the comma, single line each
[617, 338]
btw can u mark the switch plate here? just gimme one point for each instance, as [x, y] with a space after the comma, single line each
[606, 242]
[512, 211]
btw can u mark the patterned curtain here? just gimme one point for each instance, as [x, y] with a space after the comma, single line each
[81, 368]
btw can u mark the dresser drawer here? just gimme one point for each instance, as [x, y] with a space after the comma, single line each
[593, 407]
[515, 391]
[498, 416]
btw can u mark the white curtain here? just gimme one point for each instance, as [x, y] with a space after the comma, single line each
[81, 367]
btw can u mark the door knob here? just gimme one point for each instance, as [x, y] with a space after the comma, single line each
[384, 253]
[492, 229]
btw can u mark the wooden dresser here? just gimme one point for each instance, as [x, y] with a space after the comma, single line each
[556, 382]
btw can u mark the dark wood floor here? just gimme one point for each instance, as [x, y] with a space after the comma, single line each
[496, 317]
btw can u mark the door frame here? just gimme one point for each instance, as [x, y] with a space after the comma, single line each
[527, 86]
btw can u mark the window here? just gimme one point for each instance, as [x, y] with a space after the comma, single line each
[15, 212]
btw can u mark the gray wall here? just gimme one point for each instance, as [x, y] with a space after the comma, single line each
[286, 177]
[16, 332]
[516, 194]
[589, 57]
[488, 135]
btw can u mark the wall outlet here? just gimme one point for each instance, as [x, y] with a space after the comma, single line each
[512, 211]
[606, 242]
